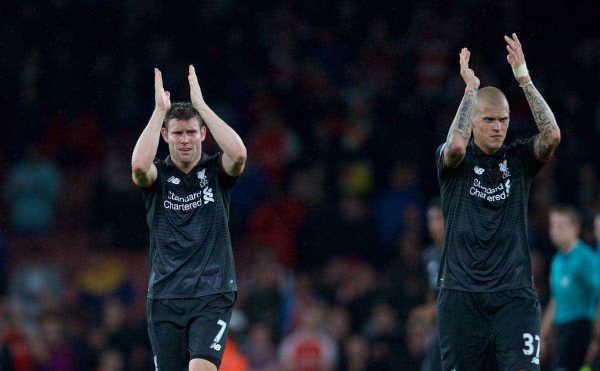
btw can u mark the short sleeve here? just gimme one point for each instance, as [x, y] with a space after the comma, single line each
[225, 179]
[526, 153]
[159, 175]
[442, 170]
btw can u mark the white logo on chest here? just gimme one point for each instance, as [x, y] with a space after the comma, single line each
[504, 169]
[190, 201]
[174, 180]
[202, 177]
[499, 192]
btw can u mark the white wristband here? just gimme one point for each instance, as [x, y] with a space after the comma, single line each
[521, 71]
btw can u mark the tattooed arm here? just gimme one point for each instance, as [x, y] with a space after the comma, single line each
[460, 130]
[549, 137]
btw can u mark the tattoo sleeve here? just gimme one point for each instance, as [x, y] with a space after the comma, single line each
[461, 125]
[547, 140]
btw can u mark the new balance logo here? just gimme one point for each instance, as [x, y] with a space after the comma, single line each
[216, 347]
[174, 180]
[478, 170]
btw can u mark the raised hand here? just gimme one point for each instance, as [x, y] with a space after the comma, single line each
[195, 92]
[467, 74]
[162, 98]
[515, 56]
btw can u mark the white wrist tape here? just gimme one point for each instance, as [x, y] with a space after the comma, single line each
[521, 71]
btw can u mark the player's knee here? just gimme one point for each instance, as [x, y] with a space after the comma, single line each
[199, 364]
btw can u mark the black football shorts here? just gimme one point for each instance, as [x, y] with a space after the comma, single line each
[184, 329]
[489, 330]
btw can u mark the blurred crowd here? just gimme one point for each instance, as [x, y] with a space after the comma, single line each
[335, 226]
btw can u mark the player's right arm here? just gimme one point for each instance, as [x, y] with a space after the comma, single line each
[143, 170]
[460, 130]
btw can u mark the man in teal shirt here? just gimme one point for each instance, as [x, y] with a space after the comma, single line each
[592, 355]
[572, 307]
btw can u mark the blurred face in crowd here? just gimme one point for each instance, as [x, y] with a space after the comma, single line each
[356, 352]
[564, 230]
[312, 318]
[490, 119]
[184, 138]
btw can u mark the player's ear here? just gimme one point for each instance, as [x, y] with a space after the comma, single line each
[203, 132]
[165, 133]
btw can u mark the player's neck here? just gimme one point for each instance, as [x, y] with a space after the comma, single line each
[569, 246]
[186, 167]
[487, 151]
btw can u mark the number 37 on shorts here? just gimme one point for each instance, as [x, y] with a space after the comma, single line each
[531, 347]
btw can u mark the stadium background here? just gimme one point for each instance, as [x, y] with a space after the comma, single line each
[341, 105]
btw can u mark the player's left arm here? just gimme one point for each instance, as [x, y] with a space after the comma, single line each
[234, 150]
[549, 137]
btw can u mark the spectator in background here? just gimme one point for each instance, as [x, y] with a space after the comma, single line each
[30, 114]
[32, 191]
[114, 191]
[384, 332]
[591, 357]
[401, 193]
[597, 238]
[573, 291]
[274, 145]
[346, 231]
[257, 189]
[275, 222]
[431, 261]
[261, 349]
[6, 357]
[356, 354]
[111, 360]
[75, 138]
[4, 256]
[233, 358]
[263, 300]
[102, 279]
[407, 286]
[119, 336]
[50, 347]
[36, 286]
[338, 324]
[308, 348]
[356, 289]
[415, 334]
